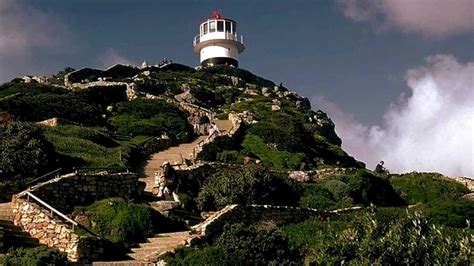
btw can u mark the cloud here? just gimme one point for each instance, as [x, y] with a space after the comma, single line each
[430, 130]
[431, 18]
[24, 30]
[112, 57]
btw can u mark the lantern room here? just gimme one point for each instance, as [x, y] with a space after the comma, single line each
[218, 42]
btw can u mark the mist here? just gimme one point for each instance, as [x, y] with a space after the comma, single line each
[428, 129]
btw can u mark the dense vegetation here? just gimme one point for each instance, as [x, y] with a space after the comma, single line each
[250, 185]
[124, 223]
[40, 256]
[149, 118]
[406, 219]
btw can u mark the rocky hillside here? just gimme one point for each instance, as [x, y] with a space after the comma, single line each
[273, 186]
[107, 111]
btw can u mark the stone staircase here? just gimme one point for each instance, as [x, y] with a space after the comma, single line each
[176, 155]
[10, 234]
[159, 245]
[6, 212]
[148, 253]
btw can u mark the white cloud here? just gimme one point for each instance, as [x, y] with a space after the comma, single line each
[112, 57]
[431, 18]
[430, 130]
[24, 29]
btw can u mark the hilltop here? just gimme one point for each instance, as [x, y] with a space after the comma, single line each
[273, 186]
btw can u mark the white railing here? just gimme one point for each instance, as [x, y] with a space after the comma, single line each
[50, 208]
[226, 36]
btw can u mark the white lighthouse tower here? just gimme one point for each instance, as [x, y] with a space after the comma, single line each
[218, 42]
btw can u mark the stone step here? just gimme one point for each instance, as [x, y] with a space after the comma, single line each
[161, 244]
[120, 263]
[6, 211]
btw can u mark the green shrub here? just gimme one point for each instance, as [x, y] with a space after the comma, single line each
[441, 198]
[259, 246]
[339, 189]
[229, 156]
[210, 256]
[248, 185]
[90, 153]
[455, 213]
[303, 235]
[150, 118]
[100, 136]
[276, 159]
[427, 187]
[317, 197]
[408, 241]
[121, 222]
[40, 256]
[366, 188]
[206, 98]
[24, 150]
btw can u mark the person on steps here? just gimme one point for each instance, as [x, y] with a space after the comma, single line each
[213, 130]
[168, 182]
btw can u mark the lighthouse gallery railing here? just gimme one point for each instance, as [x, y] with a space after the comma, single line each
[227, 36]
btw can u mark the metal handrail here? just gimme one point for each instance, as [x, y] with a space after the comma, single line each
[227, 36]
[85, 168]
[43, 176]
[53, 210]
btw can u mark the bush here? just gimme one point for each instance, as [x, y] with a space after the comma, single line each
[249, 185]
[259, 246]
[317, 197]
[24, 150]
[210, 256]
[303, 235]
[40, 256]
[427, 187]
[150, 118]
[90, 153]
[407, 241]
[276, 159]
[121, 222]
[366, 188]
[441, 198]
[455, 213]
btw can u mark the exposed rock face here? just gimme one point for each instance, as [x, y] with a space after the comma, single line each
[299, 176]
[54, 122]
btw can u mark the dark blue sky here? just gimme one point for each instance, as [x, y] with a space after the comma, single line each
[309, 45]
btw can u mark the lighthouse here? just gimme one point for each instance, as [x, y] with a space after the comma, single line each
[218, 42]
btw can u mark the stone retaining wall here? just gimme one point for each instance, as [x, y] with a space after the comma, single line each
[68, 191]
[53, 232]
[256, 213]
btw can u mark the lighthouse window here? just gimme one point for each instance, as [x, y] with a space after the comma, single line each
[220, 25]
[212, 26]
[234, 27]
[228, 27]
[205, 28]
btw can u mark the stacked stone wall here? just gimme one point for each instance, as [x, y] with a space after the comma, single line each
[53, 232]
[68, 191]
[257, 213]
